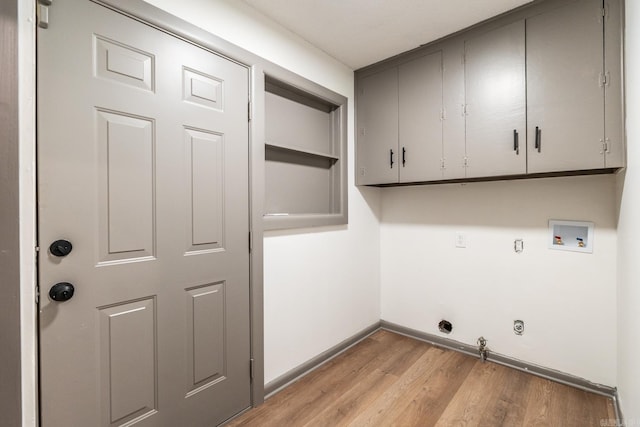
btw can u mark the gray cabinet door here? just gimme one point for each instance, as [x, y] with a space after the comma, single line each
[143, 166]
[420, 119]
[453, 147]
[377, 156]
[495, 102]
[614, 90]
[565, 107]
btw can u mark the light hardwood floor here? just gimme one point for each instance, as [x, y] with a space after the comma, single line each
[391, 380]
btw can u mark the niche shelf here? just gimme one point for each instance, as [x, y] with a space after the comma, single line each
[300, 152]
[305, 154]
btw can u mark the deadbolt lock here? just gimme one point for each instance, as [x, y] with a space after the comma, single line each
[61, 248]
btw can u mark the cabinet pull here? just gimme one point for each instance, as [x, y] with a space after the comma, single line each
[391, 158]
[404, 160]
[516, 143]
[538, 144]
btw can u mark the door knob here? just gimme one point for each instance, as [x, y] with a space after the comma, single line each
[61, 248]
[62, 291]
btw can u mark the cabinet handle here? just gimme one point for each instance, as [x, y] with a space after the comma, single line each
[516, 143]
[404, 160]
[391, 158]
[538, 144]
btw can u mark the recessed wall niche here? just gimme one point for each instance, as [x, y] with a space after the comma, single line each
[305, 156]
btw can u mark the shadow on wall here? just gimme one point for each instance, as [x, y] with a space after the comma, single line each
[371, 206]
[308, 230]
[620, 180]
[371, 196]
[505, 204]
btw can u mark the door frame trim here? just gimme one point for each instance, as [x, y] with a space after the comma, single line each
[10, 224]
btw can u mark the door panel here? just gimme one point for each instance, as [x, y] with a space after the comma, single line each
[205, 177]
[420, 124]
[378, 128]
[565, 100]
[495, 102]
[125, 147]
[123, 63]
[128, 346]
[205, 310]
[143, 166]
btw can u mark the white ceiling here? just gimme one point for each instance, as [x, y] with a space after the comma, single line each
[361, 32]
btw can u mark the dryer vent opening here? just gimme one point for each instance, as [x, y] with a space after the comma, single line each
[445, 326]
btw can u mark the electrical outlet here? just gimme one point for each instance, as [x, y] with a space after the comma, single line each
[518, 245]
[461, 240]
[518, 327]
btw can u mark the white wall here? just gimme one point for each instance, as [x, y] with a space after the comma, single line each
[566, 299]
[321, 285]
[629, 232]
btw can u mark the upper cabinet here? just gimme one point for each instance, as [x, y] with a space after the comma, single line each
[565, 96]
[495, 102]
[400, 123]
[420, 119]
[377, 110]
[537, 91]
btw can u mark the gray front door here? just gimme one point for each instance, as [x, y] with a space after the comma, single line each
[143, 168]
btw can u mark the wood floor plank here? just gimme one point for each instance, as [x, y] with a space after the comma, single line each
[289, 400]
[594, 408]
[352, 402]
[413, 350]
[539, 407]
[388, 379]
[552, 404]
[602, 408]
[571, 407]
[478, 391]
[611, 416]
[323, 386]
[426, 407]
[510, 406]
[392, 402]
